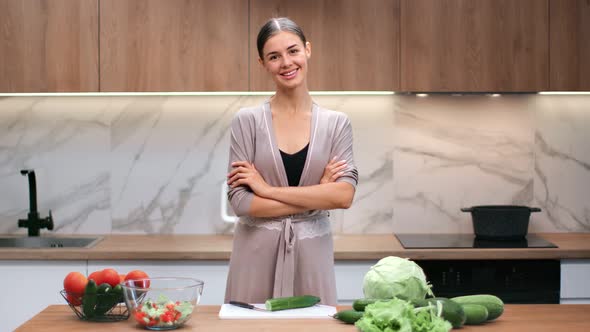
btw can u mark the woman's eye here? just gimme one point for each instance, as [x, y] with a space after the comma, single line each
[294, 50]
[272, 57]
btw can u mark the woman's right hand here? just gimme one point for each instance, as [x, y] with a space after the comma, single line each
[333, 170]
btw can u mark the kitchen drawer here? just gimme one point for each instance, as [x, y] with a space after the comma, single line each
[575, 274]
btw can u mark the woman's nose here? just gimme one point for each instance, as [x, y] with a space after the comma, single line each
[287, 61]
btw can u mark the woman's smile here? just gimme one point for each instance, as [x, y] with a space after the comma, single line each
[291, 74]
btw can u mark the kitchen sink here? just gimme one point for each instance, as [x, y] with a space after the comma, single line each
[48, 242]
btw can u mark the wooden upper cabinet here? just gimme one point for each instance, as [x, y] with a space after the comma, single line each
[354, 44]
[570, 45]
[48, 46]
[173, 45]
[474, 45]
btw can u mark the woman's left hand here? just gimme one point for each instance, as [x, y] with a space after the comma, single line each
[246, 174]
[333, 170]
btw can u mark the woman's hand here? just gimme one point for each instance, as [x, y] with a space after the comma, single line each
[333, 170]
[245, 174]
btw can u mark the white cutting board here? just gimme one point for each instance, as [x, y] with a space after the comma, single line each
[229, 311]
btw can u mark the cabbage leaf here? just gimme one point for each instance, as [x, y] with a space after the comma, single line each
[397, 315]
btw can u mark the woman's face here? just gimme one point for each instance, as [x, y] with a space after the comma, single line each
[285, 58]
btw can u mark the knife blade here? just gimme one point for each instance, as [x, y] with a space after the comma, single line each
[245, 305]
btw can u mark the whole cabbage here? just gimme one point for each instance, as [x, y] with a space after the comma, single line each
[395, 277]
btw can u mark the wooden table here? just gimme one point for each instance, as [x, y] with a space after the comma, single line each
[516, 318]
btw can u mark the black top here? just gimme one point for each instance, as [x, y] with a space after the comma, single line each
[294, 165]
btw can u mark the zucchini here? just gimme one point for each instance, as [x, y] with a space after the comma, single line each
[283, 303]
[360, 304]
[89, 299]
[348, 316]
[475, 313]
[493, 304]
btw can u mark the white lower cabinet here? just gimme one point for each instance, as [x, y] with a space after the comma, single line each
[349, 275]
[349, 280]
[28, 287]
[575, 278]
[213, 273]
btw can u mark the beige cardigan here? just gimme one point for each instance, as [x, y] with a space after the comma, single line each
[290, 254]
[253, 140]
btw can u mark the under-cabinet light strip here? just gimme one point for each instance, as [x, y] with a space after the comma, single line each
[249, 93]
[225, 93]
[564, 93]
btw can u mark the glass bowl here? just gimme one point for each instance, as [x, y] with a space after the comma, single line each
[162, 303]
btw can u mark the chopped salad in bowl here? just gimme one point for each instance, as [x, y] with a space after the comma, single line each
[162, 303]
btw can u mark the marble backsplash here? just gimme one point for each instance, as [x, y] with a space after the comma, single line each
[156, 164]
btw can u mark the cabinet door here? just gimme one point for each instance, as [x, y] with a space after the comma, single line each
[349, 280]
[28, 287]
[575, 274]
[173, 45]
[474, 45]
[570, 45]
[354, 44]
[213, 273]
[48, 46]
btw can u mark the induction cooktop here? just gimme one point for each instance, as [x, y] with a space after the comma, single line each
[425, 241]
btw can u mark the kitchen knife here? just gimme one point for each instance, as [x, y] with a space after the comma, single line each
[245, 305]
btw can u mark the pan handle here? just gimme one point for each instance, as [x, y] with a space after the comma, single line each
[467, 209]
[535, 209]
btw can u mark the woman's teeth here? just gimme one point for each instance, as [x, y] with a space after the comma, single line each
[290, 74]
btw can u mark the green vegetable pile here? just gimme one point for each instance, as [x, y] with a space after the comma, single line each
[395, 301]
[98, 301]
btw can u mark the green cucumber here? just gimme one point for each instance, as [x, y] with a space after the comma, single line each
[475, 313]
[348, 316]
[360, 304]
[451, 311]
[89, 299]
[419, 303]
[105, 299]
[292, 302]
[118, 290]
[493, 303]
[424, 302]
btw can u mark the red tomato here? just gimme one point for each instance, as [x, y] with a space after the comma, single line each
[138, 274]
[110, 276]
[121, 278]
[74, 299]
[97, 277]
[75, 283]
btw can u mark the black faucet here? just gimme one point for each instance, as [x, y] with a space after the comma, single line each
[33, 222]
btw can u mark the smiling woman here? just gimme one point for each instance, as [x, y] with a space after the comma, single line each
[283, 51]
[290, 161]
